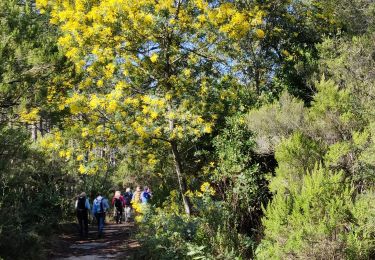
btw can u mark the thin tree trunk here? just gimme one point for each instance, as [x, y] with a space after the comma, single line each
[41, 127]
[181, 178]
[166, 45]
[34, 131]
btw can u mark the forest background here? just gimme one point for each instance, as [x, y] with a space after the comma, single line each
[252, 121]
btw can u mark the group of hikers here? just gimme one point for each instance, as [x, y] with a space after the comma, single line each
[121, 203]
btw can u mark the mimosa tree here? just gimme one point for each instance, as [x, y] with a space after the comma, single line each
[148, 74]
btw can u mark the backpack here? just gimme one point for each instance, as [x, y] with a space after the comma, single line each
[118, 203]
[127, 197]
[100, 204]
[81, 205]
[145, 196]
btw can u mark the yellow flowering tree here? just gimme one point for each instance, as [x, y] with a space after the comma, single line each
[163, 72]
[148, 75]
[269, 42]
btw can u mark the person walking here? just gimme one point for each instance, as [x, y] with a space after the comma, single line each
[82, 207]
[146, 195]
[128, 195]
[137, 195]
[99, 208]
[119, 203]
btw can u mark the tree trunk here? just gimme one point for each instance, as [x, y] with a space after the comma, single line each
[34, 131]
[181, 178]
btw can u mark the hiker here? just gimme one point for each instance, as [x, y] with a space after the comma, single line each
[119, 203]
[128, 195]
[82, 207]
[99, 208]
[146, 195]
[137, 195]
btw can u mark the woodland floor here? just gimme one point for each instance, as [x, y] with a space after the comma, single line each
[117, 243]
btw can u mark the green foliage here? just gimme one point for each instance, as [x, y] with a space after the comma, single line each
[35, 192]
[134, 170]
[360, 240]
[275, 121]
[333, 115]
[316, 212]
[242, 184]
[345, 60]
[367, 155]
[273, 64]
[295, 156]
[32, 196]
[233, 147]
[354, 16]
[309, 222]
[206, 235]
[336, 152]
[313, 214]
[28, 58]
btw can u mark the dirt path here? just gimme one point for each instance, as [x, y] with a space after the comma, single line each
[117, 243]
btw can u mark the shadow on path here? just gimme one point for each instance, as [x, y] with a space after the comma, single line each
[117, 243]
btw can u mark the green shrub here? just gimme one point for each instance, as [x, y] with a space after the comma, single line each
[31, 198]
[318, 219]
[361, 232]
[271, 123]
[295, 156]
[206, 235]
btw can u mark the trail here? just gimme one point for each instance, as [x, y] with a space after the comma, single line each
[117, 243]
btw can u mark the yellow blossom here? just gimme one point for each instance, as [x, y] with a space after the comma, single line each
[61, 106]
[154, 57]
[157, 132]
[148, 18]
[153, 114]
[62, 153]
[187, 72]
[145, 109]
[85, 132]
[260, 33]
[146, 99]
[285, 53]
[94, 102]
[99, 129]
[168, 96]
[82, 169]
[206, 188]
[75, 109]
[68, 154]
[189, 193]
[29, 116]
[41, 3]
[112, 106]
[152, 161]
[109, 70]
[207, 128]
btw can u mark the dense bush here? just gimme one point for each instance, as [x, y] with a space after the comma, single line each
[206, 235]
[318, 212]
[32, 196]
[317, 218]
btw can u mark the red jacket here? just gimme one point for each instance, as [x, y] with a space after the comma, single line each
[121, 199]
